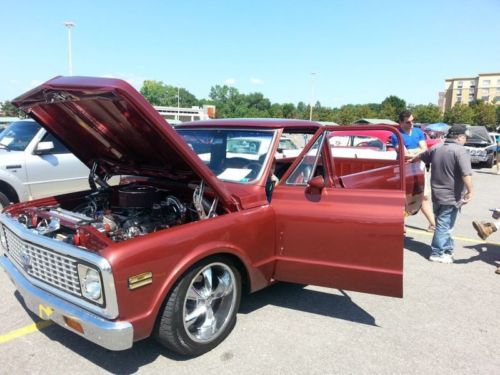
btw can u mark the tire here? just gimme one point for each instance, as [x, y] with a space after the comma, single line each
[200, 311]
[4, 201]
[490, 162]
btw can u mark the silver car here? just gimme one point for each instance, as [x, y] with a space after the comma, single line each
[34, 164]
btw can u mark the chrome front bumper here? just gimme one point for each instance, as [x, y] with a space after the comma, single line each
[108, 334]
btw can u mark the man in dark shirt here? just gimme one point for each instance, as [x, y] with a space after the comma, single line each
[451, 173]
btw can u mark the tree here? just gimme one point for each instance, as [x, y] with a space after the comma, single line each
[288, 110]
[392, 106]
[484, 114]
[10, 109]
[347, 115]
[388, 111]
[459, 114]
[158, 93]
[426, 114]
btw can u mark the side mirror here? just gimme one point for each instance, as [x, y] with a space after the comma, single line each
[44, 148]
[317, 182]
[280, 150]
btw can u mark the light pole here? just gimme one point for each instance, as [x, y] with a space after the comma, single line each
[69, 25]
[178, 101]
[313, 75]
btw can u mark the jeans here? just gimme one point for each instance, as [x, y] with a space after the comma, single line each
[445, 216]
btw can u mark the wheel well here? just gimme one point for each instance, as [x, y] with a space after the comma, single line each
[9, 191]
[240, 266]
[245, 278]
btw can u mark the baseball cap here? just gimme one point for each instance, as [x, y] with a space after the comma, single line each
[459, 129]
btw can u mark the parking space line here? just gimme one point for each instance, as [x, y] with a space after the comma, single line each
[456, 238]
[25, 331]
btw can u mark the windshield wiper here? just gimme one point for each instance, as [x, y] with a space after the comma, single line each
[5, 147]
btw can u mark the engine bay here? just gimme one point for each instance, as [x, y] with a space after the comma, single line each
[115, 214]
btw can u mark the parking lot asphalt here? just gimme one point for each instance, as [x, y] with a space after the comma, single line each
[446, 323]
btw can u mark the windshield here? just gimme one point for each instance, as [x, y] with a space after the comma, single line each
[232, 155]
[18, 135]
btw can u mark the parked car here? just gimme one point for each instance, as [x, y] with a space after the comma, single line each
[35, 164]
[170, 251]
[481, 146]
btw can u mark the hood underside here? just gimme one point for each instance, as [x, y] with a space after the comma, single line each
[106, 121]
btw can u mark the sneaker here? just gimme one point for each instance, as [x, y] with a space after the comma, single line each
[484, 229]
[445, 258]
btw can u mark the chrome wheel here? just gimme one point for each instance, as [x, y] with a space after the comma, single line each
[209, 303]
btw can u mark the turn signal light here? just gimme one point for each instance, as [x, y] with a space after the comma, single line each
[72, 323]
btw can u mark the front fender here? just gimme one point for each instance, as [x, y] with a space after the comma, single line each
[14, 181]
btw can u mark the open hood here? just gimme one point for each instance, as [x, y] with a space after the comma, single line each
[106, 121]
[479, 134]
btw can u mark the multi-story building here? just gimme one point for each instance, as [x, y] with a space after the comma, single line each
[485, 86]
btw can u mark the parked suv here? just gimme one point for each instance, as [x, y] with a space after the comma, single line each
[482, 148]
[34, 164]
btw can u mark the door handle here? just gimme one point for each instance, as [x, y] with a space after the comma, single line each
[14, 166]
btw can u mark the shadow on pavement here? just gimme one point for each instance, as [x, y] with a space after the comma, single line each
[295, 297]
[421, 248]
[130, 361]
[124, 362]
[486, 252]
[484, 172]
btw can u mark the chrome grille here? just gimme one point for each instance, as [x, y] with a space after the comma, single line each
[44, 264]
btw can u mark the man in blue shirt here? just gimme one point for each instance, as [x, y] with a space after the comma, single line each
[414, 144]
[413, 138]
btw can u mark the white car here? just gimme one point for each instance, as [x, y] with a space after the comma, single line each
[34, 164]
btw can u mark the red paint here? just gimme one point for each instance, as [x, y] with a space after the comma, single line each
[348, 234]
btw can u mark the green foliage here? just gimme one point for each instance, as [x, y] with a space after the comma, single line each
[426, 114]
[391, 107]
[484, 114]
[459, 114]
[230, 103]
[11, 110]
[158, 93]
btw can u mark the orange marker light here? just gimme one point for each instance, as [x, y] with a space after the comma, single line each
[72, 323]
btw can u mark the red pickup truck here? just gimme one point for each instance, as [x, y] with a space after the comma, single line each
[205, 214]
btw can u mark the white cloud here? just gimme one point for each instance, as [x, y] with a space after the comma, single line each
[256, 81]
[230, 81]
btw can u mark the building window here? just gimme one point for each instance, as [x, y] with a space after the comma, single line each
[472, 83]
[459, 92]
[486, 83]
[485, 91]
[498, 90]
[460, 84]
[485, 98]
[497, 100]
[498, 82]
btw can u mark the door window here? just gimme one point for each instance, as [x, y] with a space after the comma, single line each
[310, 166]
[364, 159]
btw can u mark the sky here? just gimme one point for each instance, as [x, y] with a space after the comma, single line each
[360, 51]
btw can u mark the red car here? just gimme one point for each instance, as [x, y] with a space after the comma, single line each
[199, 220]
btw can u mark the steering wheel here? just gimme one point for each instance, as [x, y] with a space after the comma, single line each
[363, 144]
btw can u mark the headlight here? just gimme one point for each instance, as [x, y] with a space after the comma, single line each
[90, 283]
